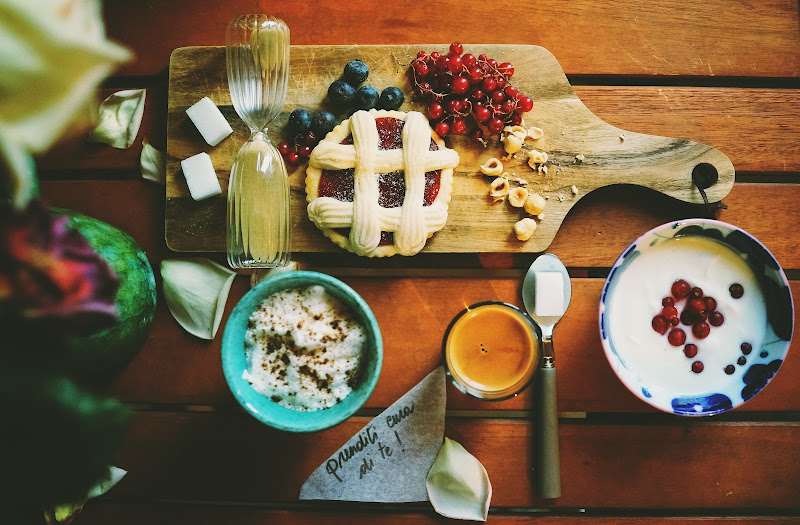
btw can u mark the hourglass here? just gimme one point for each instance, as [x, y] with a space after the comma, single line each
[258, 229]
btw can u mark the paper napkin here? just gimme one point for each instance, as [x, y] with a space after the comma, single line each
[387, 460]
[196, 291]
[458, 485]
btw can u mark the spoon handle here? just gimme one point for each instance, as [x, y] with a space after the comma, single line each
[549, 463]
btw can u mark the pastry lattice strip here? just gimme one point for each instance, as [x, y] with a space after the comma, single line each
[412, 223]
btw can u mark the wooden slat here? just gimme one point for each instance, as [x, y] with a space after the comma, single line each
[594, 233]
[105, 512]
[755, 128]
[674, 37]
[586, 382]
[234, 458]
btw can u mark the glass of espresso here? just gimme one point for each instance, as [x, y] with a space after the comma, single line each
[491, 350]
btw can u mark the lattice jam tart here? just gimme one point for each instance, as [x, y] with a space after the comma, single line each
[379, 184]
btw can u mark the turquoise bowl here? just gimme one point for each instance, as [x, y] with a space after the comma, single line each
[234, 361]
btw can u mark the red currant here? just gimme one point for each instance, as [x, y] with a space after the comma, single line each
[511, 91]
[456, 48]
[454, 106]
[482, 57]
[697, 367]
[497, 96]
[435, 55]
[676, 337]
[524, 103]
[421, 68]
[482, 113]
[489, 84]
[477, 94]
[475, 74]
[455, 65]
[690, 350]
[476, 135]
[660, 324]
[442, 128]
[508, 107]
[696, 292]
[681, 289]
[516, 119]
[421, 54]
[458, 127]
[701, 330]
[424, 88]
[501, 82]
[506, 69]
[443, 63]
[696, 306]
[310, 139]
[492, 63]
[468, 59]
[283, 147]
[715, 318]
[435, 111]
[460, 85]
[496, 125]
[304, 151]
[293, 158]
[669, 313]
[667, 301]
[736, 290]
[711, 303]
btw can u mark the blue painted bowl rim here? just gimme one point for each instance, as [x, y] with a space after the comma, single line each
[263, 408]
[672, 226]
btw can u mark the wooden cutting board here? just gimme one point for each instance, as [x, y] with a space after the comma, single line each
[475, 223]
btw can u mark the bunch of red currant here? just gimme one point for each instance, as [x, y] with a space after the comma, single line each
[468, 93]
[298, 152]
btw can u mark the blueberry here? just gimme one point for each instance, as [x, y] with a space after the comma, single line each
[341, 93]
[391, 98]
[299, 122]
[366, 97]
[355, 72]
[322, 122]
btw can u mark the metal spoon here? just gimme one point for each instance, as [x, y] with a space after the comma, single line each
[549, 464]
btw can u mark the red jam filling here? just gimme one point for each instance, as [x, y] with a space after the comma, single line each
[338, 184]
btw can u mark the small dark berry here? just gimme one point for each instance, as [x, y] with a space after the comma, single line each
[299, 122]
[736, 290]
[667, 301]
[696, 292]
[701, 330]
[715, 318]
[688, 318]
[746, 348]
[697, 367]
[742, 360]
[764, 354]
[690, 350]
[391, 98]
[355, 72]
[669, 313]
[322, 122]
[730, 369]
[366, 97]
[341, 93]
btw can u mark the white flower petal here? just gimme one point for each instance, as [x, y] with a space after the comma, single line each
[458, 485]
[153, 163]
[196, 291]
[120, 118]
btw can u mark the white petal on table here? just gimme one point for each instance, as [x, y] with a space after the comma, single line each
[196, 291]
[458, 485]
[120, 118]
[153, 164]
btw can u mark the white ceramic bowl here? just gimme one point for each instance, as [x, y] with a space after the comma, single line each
[711, 255]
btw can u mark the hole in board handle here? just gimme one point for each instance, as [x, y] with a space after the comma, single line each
[704, 175]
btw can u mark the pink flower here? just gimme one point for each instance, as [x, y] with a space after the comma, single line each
[50, 277]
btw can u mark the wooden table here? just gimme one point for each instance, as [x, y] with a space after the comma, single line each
[722, 72]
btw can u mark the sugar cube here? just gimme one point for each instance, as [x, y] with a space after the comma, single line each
[549, 294]
[209, 121]
[200, 176]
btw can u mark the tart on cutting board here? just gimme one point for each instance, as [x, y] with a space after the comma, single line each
[379, 184]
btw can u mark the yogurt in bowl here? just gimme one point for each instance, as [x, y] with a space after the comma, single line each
[696, 317]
